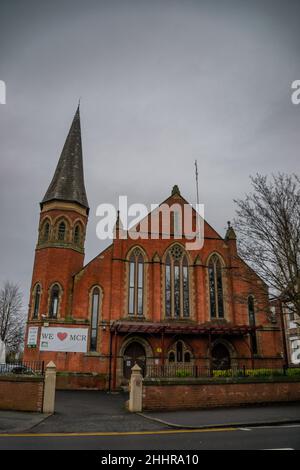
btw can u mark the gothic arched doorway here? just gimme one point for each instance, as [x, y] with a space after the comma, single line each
[220, 357]
[134, 353]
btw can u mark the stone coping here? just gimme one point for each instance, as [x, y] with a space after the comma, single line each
[21, 378]
[79, 374]
[217, 381]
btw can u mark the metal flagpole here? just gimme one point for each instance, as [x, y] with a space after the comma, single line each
[197, 188]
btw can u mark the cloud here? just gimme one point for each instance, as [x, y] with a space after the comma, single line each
[162, 83]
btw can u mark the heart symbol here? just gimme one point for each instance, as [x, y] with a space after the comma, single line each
[62, 336]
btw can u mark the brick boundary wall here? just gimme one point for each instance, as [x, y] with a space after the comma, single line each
[175, 395]
[80, 381]
[21, 393]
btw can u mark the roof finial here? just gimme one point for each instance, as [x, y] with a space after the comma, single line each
[230, 233]
[175, 190]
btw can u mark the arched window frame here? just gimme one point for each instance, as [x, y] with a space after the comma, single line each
[136, 283]
[61, 231]
[95, 303]
[37, 292]
[180, 353]
[78, 234]
[216, 286]
[251, 310]
[45, 231]
[177, 283]
[252, 322]
[54, 300]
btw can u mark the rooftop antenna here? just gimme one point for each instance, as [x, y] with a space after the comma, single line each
[197, 183]
[197, 189]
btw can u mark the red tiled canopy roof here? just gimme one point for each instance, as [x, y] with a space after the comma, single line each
[124, 327]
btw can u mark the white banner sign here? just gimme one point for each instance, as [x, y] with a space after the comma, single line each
[64, 339]
[32, 336]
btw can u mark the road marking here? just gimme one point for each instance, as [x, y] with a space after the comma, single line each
[278, 426]
[245, 429]
[283, 448]
[125, 433]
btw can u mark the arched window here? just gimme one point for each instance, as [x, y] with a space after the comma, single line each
[179, 353]
[46, 232]
[54, 301]
[136, 283]
[177, 302]
[61, 231]
[187, 357]
[171, 356]
[251, 314]
[94, 318]
[37, 299]
[77, 235]
[251, 310]
[215, 287]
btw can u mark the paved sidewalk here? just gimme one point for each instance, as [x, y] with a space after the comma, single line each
[241, 416]
[93, 411]
[19, 421]
[97, 411]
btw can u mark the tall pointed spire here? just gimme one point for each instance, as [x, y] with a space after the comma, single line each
[68, 180]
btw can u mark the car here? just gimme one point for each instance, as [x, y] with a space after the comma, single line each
[16, 369]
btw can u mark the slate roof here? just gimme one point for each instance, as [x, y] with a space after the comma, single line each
[68, 180]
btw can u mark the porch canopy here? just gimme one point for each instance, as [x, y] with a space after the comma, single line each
[126, 327]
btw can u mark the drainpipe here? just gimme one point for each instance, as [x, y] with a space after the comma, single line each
[110, 359]
[285, 350]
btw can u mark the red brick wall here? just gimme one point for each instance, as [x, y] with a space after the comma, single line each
[208, 395]
[73, 381]
[21, 393]
[109, 271]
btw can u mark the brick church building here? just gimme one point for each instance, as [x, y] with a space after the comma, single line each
[150, 301]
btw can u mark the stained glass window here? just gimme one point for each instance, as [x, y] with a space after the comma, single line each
[251, 313]
[216, 287]
[136, 284]
[94, 318]
[77, 235]
[168, 286]
[37, 298]
[61, 231]
[54, 301]
[177, 283]
[46, 232]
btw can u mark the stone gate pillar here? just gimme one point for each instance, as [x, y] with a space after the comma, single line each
[135, 390]
[49, 390]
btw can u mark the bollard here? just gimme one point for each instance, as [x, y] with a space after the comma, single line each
[49, 388]
[135, 390]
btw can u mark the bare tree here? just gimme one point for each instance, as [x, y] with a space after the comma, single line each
[12, 318]
[268, 226]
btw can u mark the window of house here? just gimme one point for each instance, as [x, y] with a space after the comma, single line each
[46, 232]
[94, 318]
[54, 301]
[177, 302]
[61, 231]
[77, 235]
[171, 356]
[37, 298]
[136, 284]
[216, 287]
[251, 314]
[179, 353]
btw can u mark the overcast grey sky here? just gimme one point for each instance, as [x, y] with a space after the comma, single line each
[161, 82]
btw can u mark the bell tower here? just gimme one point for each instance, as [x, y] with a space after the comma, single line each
[60, 247]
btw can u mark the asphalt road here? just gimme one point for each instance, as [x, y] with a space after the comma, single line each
[271, 437]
